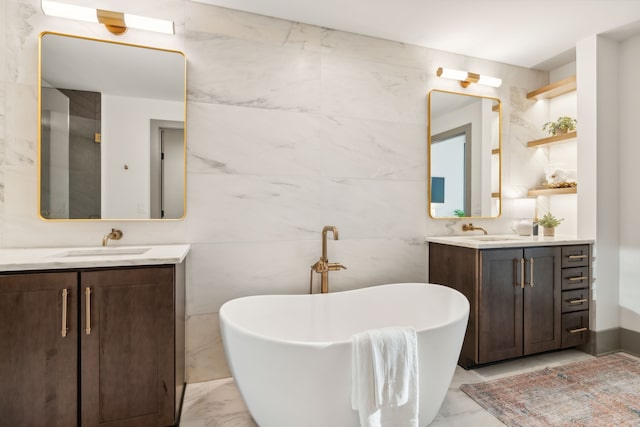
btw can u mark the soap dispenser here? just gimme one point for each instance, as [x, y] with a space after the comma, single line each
[524, 228]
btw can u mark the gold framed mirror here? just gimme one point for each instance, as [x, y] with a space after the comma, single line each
[465, 155]
[112, 142]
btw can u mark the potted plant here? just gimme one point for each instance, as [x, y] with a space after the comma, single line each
[549, 223]
[564, 124]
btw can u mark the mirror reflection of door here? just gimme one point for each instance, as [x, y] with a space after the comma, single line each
[167, 169]
[451, 160]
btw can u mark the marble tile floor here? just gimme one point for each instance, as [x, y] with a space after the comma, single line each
[218, 403]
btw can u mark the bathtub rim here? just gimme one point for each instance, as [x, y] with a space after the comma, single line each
[225, 322]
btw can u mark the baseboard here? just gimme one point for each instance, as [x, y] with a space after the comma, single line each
[630, 341]
[612, 340]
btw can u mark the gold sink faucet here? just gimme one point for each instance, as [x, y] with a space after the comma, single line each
[114, 235]
[323, 266]
[471, 227]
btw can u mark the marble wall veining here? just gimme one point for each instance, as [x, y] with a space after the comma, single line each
[290, 127]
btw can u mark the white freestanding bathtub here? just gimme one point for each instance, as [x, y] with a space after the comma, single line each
[291, 354]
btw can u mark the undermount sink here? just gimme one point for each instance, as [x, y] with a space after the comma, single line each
[106, 251]
[493, 238]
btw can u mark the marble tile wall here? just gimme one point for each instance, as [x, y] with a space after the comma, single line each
[290, 127]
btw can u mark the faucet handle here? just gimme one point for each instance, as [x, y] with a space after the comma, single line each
[333, 266]
[115, 234]
[320, 266]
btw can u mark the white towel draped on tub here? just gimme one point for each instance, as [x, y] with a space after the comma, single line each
[385, 377]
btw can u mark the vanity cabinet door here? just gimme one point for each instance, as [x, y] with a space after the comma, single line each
[520, 302]
[127, 340]
[542, 300]
[501, 305]
[38, 355]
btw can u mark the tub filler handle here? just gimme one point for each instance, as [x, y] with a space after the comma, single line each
[323, 267]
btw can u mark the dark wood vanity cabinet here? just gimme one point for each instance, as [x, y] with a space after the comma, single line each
[119, 360]
[516, 297]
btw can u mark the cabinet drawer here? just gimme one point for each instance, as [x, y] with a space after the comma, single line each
[575, 278]
[575, 328]
[575, 256]
[575, 300]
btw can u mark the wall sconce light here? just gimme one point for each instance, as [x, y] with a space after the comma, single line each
[115, 22]
[466, 78]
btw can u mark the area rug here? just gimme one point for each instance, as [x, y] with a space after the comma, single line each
[598, 392]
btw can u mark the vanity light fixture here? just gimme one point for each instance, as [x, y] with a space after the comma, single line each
[466, 78]
[116, 22]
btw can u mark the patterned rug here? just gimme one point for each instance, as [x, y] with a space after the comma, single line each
[599, 392]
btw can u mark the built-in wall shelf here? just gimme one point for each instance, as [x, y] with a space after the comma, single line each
[555, 139]
[552, 90]
[552, 191]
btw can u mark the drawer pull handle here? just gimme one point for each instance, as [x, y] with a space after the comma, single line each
[577, 301]
[531, 272]
[577, 279]
[577, 256]
[65, 294]
[575, 331]
[87, 293]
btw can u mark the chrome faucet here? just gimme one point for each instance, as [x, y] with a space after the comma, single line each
[114, 235]
[471, 227]
[323, 266]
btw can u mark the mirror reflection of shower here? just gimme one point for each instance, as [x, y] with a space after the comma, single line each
[73, 154]
[70, 154]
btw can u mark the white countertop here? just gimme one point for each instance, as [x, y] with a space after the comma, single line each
[495, 241]
[87, 257]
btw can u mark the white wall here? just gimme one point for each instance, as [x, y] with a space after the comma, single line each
[598, 170]
[628, 184]
[125, 152]
[290, 127]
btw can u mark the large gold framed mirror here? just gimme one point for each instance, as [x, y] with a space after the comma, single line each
[112, 139]
[465, 155]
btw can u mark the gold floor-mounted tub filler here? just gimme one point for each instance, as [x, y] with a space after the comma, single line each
[323, 266]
